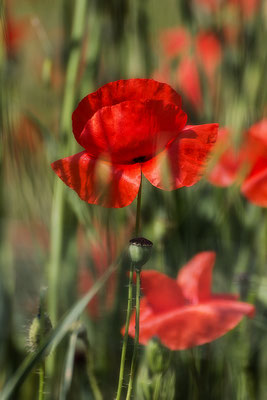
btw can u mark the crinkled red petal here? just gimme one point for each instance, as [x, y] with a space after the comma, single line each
[195, 277]
[132, 130]
[162, 293]
[117, 92]
[99, 182]
[192, 325]
[254, 187]
[183, 161]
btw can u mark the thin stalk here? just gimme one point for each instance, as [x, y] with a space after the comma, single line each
[92, 379]
[138, 210]
[125, 337]
[136, 337]
[41, 381]
[56, 235]
[130, 299]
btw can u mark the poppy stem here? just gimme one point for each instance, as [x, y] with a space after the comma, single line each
[41, 381]
[125, 337]
[138, 210]
[136, 337]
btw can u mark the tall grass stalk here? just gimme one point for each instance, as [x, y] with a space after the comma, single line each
[65, 127]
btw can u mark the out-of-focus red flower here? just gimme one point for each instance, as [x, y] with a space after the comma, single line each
[247, 7]
[209, 52]
[254, 186]
[184, 313]
[129, 127]
[251, 159]
[15, 31]
[225, 171]
[175, 41]
[189, 82]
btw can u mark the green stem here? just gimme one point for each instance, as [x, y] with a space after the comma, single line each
[138, 210]
[56, 235]
[136, 337]
[41, 381]
[125, 337]
[92, 379]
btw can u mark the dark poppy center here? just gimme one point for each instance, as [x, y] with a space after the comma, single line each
[140, 159]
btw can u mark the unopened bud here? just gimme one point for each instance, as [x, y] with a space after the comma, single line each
[39, 329]
[158, 356]
[140, 251]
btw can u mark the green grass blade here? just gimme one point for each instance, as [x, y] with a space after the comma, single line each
[54, 338]
[68, 370]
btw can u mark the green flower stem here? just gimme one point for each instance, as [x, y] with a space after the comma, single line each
[41, 381]
[138, 210]
[92, 379]
[56, 235]
[136, 337]
[125, 337]
[130, 299]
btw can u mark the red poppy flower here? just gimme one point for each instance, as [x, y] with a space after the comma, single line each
[131, 127]
[189, 81]
[175, 41]
[209, 52]
[184, 313]
[226, 169]
[254, 186]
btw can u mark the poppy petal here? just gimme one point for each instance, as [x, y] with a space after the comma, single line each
[99, 182]
[255, 185]
[194, 325]
[119, 91]
[132, 130]
[195, 277]
[162, 293]
[189, 81]
[183, 160]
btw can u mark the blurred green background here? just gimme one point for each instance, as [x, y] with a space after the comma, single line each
[52, 54]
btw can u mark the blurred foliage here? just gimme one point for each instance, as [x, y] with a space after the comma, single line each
[123, 39]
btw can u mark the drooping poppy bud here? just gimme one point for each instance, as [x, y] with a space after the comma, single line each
[158, 356]
[140, 251]
[39, 329]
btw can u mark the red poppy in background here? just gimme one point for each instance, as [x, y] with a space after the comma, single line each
[247, 7]
[175, 41]
[184, 313]
[189, 81]
[251, 159]
[226, 169]
[254, 187]
[209, 52]
[207, 55]
[129, 127]
[15, 31]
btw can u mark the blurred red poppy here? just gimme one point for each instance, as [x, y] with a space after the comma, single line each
[189, 81]
[247, 7]
[15, 31]
[254, 187]
[99, 250]
[226, 169]
[209, 52]
[250, 161]
[129, 127]
[175, 41]
[184, 313]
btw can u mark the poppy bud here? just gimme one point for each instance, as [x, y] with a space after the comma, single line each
[39, 329]
[140, 250]
[158, 356]
[156, 375]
